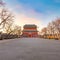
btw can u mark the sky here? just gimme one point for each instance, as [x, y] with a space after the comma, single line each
[39, 12]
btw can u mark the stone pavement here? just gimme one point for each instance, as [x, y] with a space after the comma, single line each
[30, 49]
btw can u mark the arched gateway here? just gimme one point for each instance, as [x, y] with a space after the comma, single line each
[30, 31]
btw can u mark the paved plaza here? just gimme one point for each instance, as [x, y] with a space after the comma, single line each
[30, 49]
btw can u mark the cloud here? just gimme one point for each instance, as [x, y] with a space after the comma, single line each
[22, 19]
[25, 14]
[28, 11]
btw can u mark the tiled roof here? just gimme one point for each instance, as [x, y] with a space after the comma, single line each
[30, 31]
[30, 26]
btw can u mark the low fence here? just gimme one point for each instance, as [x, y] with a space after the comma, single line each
[56, 37]
[8, 36]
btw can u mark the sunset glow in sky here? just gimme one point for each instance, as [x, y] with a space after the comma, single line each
[39, 12]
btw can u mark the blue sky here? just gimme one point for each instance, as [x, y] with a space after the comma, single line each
[39, 12]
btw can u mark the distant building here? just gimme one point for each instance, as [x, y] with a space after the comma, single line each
[30, 31]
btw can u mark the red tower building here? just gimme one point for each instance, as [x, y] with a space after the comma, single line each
[30, 31]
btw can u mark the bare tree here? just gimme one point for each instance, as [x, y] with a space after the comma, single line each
[17, 30]
[54, 27]
[44, 30]
[5, 16]
[2, 3]
[57, 25]
[9, 27]
[50, 28]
